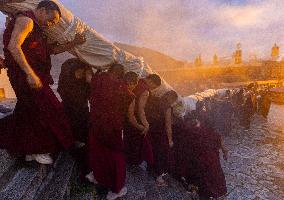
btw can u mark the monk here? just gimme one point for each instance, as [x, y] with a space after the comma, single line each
[74, 92]
[110, 101]
[199, 163]
[222, 115]
[247, 111]
[265, 104]
[38, 125]
[159, 115]
[137, 143]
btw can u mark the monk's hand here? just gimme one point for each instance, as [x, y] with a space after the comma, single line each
[34, 81]
[146, 130]
[198, 124]
[171, 143]
[141, 128]
[89, 75]
[225, 154]
[79, 39]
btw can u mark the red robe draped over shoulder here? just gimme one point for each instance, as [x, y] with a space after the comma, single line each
[110, 100]
[38, 124]
[138, 147]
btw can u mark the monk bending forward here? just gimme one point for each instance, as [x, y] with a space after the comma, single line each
[38, 125]
[110, 101]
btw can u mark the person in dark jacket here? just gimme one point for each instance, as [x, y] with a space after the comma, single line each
[74, 92]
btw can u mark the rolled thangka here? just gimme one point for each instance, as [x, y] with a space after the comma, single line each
[210, 93]
[96, 51]
[222, 92]
[191, 101]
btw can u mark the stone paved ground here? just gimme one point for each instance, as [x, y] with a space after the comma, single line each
[141, 186]
[255, 169]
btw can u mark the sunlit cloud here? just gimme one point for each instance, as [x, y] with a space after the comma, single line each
[243, 16]
[186, 28]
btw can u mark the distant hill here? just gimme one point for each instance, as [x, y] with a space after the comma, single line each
[158, 61]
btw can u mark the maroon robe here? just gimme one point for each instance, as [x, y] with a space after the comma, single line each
[38, 124]
[201, 163]
[75, 95]
[247, 112]
[137, 147]
[110, 100]
[155, 113]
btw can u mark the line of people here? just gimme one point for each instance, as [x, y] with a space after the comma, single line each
[129, 125]
[237, 107]
[126, 124]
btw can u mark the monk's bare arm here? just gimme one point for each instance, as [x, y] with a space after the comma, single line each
[224, 149]
[132, 118]
[168, 125]
[89, 75]
[23, 27]
[78, 40]
[141, 108]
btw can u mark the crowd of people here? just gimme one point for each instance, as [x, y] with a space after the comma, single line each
[111, 117]
[238, 106]
[130, 127]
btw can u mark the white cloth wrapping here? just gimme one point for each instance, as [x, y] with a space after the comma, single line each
[96, 51]
[222, 92]
[190, 102]
[100, 53]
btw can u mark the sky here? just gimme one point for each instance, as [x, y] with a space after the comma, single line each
[186, 28]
